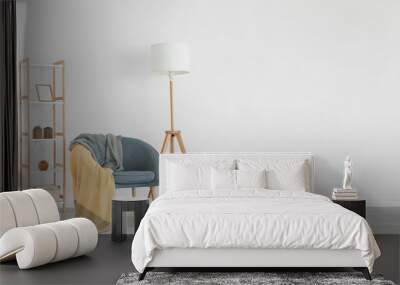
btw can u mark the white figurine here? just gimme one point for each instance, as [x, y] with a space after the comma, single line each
[347, 173]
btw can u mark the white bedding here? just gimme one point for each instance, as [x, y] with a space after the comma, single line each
[251, 218]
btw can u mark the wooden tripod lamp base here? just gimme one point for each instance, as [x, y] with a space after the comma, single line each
[170, 136]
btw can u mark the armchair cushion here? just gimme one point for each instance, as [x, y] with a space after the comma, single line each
[133, 178]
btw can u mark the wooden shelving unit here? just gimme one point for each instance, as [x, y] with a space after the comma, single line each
[35, 110]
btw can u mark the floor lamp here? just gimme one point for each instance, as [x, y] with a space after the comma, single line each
[171, 59]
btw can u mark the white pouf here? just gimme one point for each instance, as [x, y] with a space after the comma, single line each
[31, 232]
[7, 220]
[26, 208]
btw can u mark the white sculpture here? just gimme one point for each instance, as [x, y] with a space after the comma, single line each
[347, 173]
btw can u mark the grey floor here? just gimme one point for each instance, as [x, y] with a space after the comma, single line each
[110, 260]
[103, 266]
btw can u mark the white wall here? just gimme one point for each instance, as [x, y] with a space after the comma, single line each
[320, 76]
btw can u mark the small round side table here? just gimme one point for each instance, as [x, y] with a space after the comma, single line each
[138, 205]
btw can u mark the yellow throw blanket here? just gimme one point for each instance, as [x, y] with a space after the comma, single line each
[93, 187]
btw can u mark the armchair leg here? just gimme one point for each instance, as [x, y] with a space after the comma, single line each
[151, 193]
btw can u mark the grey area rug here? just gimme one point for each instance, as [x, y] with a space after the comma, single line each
[228, 278]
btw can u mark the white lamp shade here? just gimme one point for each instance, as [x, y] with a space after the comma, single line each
[170, 58]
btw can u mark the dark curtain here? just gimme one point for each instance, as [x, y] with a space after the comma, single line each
[8, 97]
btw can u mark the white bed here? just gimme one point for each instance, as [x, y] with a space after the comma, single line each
[249, 227]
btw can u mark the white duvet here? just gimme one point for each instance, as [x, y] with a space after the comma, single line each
[252, 218]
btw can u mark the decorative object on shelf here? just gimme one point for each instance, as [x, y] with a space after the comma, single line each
[37, 133]
[347, 180]
[171, 59]
[44, 92]
[43, 165]
[48, 133]
[42, 103]
[346, 192]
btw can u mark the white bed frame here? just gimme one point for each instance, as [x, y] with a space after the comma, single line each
[254, 258]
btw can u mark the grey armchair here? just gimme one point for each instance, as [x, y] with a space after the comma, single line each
[140, 162]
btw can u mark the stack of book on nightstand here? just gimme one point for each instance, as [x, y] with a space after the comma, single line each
[344, 194]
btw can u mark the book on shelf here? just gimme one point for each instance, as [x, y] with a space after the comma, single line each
[341, 190]
[344, 196]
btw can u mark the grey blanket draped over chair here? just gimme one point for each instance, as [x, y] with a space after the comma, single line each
[106, 149]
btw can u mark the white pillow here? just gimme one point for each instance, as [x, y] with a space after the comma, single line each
[282, 174]
[236, 179]
[188, 175]
[251, 178]
[223, 179]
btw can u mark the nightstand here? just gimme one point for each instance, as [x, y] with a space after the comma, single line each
[357, 206]
[138, 205]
